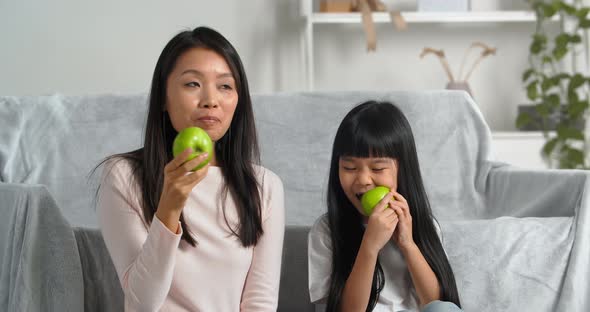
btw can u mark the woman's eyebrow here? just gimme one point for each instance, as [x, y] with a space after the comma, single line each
[199, 73]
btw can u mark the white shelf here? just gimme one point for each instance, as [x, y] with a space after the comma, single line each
[316, 19]
[430, 17]
[518, 134]
[519, 148]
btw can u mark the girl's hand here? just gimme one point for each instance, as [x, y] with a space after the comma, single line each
[179, 181]
[381, 225]
[403, 233]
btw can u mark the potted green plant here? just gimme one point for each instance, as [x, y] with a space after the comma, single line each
[560, 97]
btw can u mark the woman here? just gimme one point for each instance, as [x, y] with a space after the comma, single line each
[208, 240]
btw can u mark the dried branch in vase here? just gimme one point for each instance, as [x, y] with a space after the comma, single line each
[443, 60]
[487, 51]
[461, 83]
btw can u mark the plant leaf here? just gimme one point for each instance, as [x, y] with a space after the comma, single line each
[562, 76]
[567, 8]
[576, 81]
[549, 146]
[548, 10]
[572, 96]
[531, 90]
[575, 157]
[543, 110]
[527, 74]
[545, 85]
[562, 39]
[575, 38]
[539, 43]
[584, 23]
[582, 12]
[523, 119]
[565, 132]
[552, 100]
[559, 52]
[576, 109]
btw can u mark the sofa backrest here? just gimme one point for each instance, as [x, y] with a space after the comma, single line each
[56, 140]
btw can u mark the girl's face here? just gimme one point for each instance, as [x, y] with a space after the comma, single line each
[359, 175]
[201, 92]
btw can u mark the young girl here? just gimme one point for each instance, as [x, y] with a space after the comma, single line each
[208, 240]
[392, 260]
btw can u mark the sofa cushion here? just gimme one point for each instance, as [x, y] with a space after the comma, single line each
[509, 264]
[102, 290]
[294, 291]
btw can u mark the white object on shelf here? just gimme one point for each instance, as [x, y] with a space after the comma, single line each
[519, 148]
[401, 5]
[443, 5]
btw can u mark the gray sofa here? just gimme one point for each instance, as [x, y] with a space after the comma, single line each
[516, 239]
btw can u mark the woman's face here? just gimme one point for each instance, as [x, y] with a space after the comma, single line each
[201, 92]
[359, 175]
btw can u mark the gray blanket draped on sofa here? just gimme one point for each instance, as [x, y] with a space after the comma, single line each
[517, 239]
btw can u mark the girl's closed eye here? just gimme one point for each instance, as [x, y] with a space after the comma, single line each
[348, 168]
[227, 87]
[378, 169]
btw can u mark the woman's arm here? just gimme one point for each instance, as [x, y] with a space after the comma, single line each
[144, 258]
[261, 291]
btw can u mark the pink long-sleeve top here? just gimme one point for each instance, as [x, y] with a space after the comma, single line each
[159, 272]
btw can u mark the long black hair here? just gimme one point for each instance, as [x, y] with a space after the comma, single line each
[237, 151]
[380, 129]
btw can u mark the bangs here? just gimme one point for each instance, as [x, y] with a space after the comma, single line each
[370, 138]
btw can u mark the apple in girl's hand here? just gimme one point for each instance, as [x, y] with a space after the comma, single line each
[371, 198]
[198, 140]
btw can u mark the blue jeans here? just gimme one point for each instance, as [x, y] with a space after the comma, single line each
[441, 306]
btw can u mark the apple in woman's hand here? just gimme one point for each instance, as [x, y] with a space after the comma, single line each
[198, 140]
[371, 198]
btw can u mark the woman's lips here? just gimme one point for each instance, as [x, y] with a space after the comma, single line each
[208, 120]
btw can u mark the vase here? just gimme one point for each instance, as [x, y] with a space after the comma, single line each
[460, 85]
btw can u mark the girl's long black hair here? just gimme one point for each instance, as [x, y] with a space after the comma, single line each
[380, 129]
[237, 151]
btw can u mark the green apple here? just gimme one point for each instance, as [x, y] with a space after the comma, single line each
[371, 198]
[198, 140]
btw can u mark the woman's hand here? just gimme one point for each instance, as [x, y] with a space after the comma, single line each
[403, 233]
[381, 225]
[179, 181]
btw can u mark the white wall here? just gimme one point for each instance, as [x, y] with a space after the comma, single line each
[80, 47]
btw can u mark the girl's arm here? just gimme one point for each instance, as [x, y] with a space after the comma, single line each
[380, 227]
[261, 291]
[423, 277]
[355, 296]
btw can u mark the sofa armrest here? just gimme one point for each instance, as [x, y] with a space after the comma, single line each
[516, 192]
[550, 193]
[39, 260]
